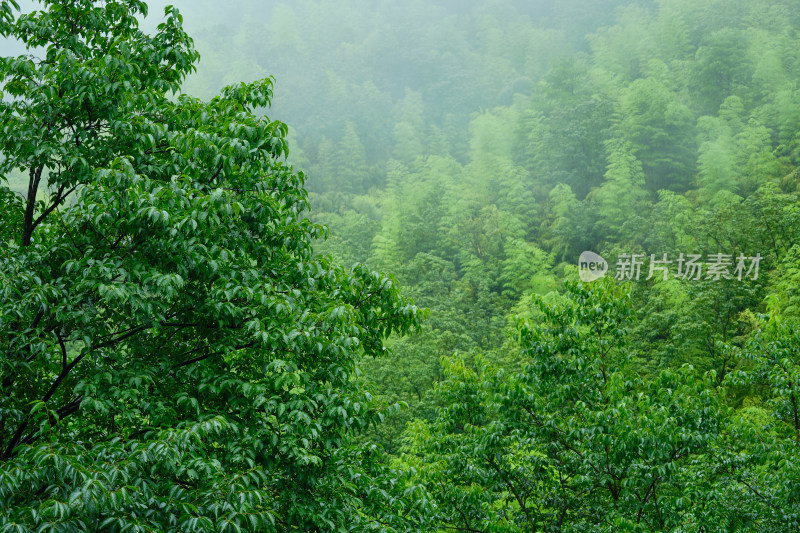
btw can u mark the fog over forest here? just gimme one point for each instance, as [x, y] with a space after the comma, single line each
[425, 266]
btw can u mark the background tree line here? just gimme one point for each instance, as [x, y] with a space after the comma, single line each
[474, 150]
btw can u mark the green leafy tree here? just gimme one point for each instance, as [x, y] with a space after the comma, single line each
[660, 128]
[562, 134]
[718, 70]
[622, 49]
[352, 161]
[717, 163]
[175, 355]
[786, 287]
[483, 476]
[623, 196]
[758, 469]
[710, 317]
[576, 441]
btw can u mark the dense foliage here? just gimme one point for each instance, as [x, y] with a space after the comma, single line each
[175, 355]
[179, 356]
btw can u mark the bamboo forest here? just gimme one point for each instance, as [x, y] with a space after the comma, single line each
[317, 266]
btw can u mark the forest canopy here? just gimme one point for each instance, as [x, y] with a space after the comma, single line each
[208, 316]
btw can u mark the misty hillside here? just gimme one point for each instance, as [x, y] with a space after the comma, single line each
[436, 266]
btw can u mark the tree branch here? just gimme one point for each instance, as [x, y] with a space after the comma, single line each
[34, 178]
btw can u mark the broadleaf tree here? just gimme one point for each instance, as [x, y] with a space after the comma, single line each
[175, 356]
[576, 441]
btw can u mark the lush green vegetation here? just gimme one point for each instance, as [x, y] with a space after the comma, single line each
[193, 335]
